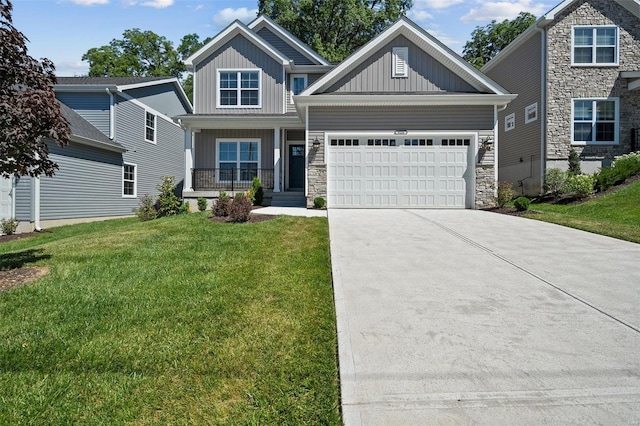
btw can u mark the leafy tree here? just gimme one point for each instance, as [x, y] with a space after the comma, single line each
[334, 28]
[29, 111]
[487, 41]
[189, 44]
[138, 53]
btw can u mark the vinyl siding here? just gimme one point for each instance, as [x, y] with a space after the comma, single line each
[520, 149]
[24, 195]
[284, 47]
[205, 146]
[162, 98]
[311, 78]
[165, 158]
[426, 74]
[239, 53]
[93, 107]
[405, 118]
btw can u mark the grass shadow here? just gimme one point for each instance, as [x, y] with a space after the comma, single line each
[19, 259]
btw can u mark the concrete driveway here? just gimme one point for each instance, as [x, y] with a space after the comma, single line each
[469, 317]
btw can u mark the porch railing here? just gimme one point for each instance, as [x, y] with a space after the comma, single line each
[230, 179]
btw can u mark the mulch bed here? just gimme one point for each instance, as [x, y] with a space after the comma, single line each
[253, 218]
[15, 277]
[6, 238]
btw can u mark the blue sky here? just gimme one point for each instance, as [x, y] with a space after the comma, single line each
[63, 30]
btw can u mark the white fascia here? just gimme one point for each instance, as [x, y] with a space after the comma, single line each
[96, 144]
[148, 108]
[402, 100]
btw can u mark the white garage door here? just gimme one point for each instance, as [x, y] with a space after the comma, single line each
[377, 172]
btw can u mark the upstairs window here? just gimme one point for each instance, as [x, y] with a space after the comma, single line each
[150, 127]
[595, 121]
[239, 89]
[298, 84]
[531, 113]
[510, 122]
[400, 58]
[595, 45]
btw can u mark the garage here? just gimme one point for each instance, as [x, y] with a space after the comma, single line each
[408, 171]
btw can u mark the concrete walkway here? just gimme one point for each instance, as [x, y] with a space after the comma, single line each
[291, 211]
[469, 317]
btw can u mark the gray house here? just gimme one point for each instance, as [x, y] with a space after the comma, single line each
[123, 141]
[577, 75]
[403, 122]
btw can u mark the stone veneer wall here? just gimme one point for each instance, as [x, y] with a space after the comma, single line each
[486, 173]
[566, 82]
[317, 171]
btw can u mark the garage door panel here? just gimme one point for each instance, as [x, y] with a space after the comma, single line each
[398, 176]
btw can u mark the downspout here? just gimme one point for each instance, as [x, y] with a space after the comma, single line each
[543, 106]
[112, 115]
[36, 203]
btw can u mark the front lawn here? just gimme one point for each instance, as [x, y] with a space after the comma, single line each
[174, 321]
[616, 215]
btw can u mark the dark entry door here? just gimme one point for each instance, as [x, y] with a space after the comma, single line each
[296, 166]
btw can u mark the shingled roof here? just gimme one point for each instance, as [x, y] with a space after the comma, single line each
[85, 130]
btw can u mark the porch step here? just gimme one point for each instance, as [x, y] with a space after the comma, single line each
[288, 199]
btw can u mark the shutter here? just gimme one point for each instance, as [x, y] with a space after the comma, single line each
[400, 58]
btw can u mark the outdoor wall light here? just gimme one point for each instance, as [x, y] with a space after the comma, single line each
[316, 144]
[486, 143]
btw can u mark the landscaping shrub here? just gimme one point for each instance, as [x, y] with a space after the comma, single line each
[505, 193]
[555, 181]
[9, 226]
[257, 191]
[168, 202]
[623, 167]
[607, 177]
[522, 204]
[202, 204]
[318, 203]
[222, 207]
[146, 209]
[240, 208]
[574, 163]
[580, 186]
[184, 208]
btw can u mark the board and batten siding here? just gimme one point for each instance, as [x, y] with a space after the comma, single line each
[520, 149]
[164, 158]
[470, 118]
[205, 145]
[93, 107]
[284, 47]
[426, 74]
[239, 53]
[162, 97]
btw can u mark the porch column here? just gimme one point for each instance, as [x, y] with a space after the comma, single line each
[188, 161]
[276, 159]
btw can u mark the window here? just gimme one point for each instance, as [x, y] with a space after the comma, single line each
[510, 122]
[531, 113]
[595, 45]
[129, 177]
[238, 160]
[150, 127]
[239, 89]
[400, 58]
[345, 142]
[595, 121]
[298, 84]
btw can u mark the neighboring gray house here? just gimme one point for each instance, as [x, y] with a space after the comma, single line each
[403, 122]
[577, 75]
[123, 141]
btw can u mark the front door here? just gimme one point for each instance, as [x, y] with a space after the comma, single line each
[296, 166]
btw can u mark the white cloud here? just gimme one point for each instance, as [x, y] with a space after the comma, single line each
[435, 4]
[199, 7]
[419, 15]
[228, 15]
[71, 68]
[448, 41]
[501, 10]
[158, 4]
[90, 2]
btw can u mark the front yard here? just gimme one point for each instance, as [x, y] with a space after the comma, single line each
[174, 321]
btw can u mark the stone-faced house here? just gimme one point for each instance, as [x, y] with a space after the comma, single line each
[577, 75]
[403, 122]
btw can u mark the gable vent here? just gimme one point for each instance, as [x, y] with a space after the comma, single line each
[400, 58]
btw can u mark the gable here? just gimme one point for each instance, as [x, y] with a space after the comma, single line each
[162, 97]
[282, 46]
[425, 74]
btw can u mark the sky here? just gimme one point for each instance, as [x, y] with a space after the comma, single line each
[63, 30]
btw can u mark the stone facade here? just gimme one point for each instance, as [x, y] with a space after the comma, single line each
[317, 171]
[565, 82]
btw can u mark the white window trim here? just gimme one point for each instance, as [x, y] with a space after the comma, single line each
[238, 141]
[155, 127]
[510, 118]
[238, 70]
[527, 110]
[616, 125]
[400, 53]
[595, 64]
[291, 77]
[135, 180]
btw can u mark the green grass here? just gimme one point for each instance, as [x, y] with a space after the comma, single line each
[616, 215]
[174, 321]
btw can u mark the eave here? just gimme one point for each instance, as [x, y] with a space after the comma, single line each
[97, 144]
[205, 121]
[634, 79]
